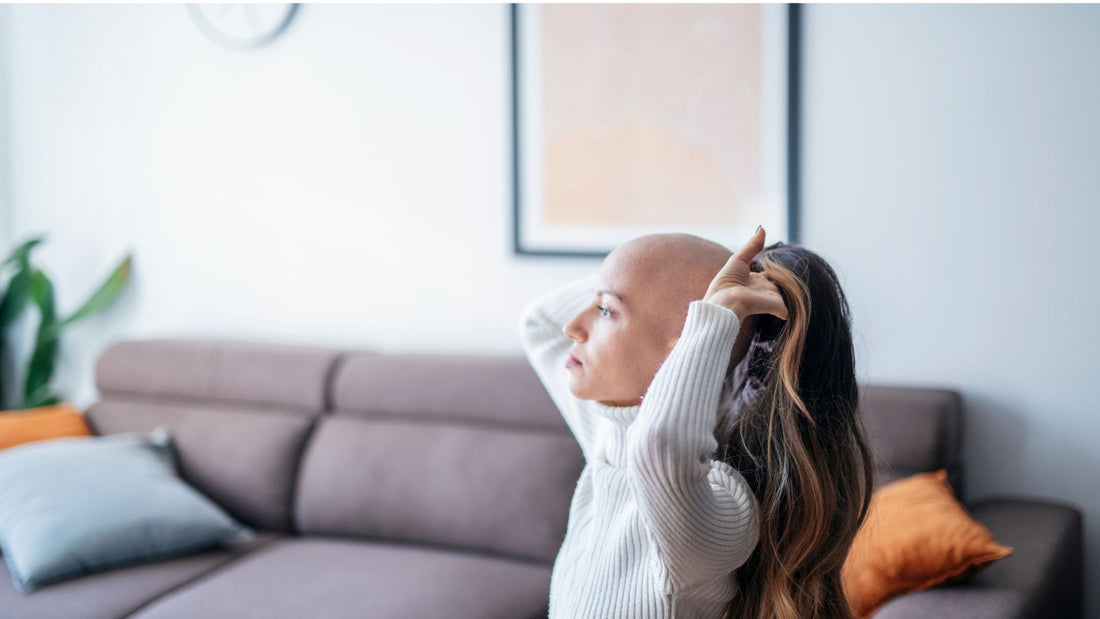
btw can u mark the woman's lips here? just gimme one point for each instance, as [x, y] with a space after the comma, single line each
[572, 362]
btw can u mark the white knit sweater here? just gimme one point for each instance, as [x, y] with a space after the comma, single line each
[656, 528]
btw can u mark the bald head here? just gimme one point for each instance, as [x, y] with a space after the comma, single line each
[644, 290]
[664, 273]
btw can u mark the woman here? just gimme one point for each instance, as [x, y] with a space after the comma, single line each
[715, 401]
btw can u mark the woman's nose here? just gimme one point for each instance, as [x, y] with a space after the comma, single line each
[572, 330]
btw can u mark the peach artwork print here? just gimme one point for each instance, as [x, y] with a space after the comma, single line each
[651, 115]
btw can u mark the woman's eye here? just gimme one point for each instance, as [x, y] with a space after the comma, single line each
[604, 309]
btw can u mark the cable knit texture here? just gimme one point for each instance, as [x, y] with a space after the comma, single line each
[656, 527]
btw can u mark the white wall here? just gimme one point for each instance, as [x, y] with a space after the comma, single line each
[5, 186]
[349, 186]
[6, 234]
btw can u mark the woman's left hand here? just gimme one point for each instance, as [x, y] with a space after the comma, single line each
[744, 292]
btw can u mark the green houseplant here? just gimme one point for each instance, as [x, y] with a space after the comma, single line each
[30, 285]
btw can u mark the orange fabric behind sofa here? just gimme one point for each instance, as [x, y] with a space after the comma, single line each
[42, 423]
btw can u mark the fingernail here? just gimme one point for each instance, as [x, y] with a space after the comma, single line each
[757, 230]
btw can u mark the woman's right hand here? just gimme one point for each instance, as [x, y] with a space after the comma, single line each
[742, 291]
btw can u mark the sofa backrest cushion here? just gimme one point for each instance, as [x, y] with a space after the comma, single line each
[458, 451]
[239, 414]
[914, 430]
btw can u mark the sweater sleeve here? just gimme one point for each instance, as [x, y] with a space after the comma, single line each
[547, 349]
[700, 514]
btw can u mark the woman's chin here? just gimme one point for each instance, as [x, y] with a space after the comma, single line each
[579, 391]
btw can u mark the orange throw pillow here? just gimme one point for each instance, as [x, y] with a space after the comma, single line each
[916, 535]
[38, 424]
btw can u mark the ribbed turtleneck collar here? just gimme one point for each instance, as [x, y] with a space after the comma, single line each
[619, 414]
[611, 445]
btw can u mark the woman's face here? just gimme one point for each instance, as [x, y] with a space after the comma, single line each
[637, 313]
[623, 335]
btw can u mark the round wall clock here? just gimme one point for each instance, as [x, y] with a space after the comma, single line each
[242, 26]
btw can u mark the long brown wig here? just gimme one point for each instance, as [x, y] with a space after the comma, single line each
[789, 422]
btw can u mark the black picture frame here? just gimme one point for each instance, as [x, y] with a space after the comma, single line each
[792, 157]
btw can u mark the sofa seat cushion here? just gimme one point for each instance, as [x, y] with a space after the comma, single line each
[118, 592]
[959, 600]
[336, 577]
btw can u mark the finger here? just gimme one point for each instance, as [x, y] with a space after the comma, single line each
[781, 311]
[780, 304]
[778, 307]
[749, 250]
[781, 308]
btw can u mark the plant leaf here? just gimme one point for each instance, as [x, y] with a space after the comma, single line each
[21, 254]
[41, 397]
[3, 373]
[102, 298]
[14, 300]
[40, 368]
[16, 297]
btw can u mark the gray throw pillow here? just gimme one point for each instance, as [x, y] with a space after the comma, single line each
[72, 506]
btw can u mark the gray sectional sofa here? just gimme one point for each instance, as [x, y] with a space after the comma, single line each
[414, 485]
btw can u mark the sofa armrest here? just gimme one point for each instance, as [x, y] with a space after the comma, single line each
[1048, 552]
[1043, 577]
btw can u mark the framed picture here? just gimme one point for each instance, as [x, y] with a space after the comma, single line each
[632, 119]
